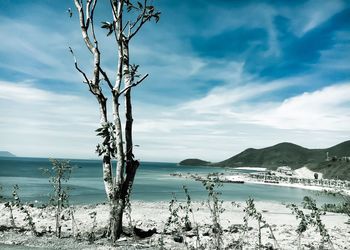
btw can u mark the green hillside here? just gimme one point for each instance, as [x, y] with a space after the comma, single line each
[194, 162]
[293, 156]
[333, 169]
[272, 157]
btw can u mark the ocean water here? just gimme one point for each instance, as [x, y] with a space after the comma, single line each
[153, 182]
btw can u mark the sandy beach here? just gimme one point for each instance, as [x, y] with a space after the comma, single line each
[149, 215]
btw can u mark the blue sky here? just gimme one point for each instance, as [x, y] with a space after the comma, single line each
[224, 76]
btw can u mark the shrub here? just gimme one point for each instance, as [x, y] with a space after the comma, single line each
[59, 172]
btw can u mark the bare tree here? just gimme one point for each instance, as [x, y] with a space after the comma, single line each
[136, 14]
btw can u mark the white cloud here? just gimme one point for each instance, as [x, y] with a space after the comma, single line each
[37, 122]
[24, 92]
[312, 14]
[224, 122]
[324, 109]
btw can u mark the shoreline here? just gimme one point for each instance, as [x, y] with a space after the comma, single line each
[281, 184]
[304, 177]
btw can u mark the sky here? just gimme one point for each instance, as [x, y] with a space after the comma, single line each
[225, 75]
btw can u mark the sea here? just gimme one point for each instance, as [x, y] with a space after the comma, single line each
[153, 182]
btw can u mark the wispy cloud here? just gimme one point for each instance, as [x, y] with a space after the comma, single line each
[28, 93]
[313, 13]
[324, 109]
[220, 81]
[37, 122]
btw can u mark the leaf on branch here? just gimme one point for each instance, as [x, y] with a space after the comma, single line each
[140, 5]
[99, 130]
[70, 12]
[110, 32]
[129, 7]
[108, 26]
[157, 16]
[105, 25]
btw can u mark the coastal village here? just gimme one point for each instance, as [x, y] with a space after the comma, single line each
[301, 177]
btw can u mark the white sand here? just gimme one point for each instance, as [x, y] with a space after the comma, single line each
[304, 172]
[249, 168]
[154, 214]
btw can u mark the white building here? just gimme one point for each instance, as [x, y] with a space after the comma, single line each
[285, 170]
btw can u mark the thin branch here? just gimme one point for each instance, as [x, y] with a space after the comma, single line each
[133, 85]
[137, 20]
[118, 33]
[126, 25]
[92, 22]
[118, 19]
[87, 81]
[105, 77]
[87, 11]
[143, 21]
[86, 38]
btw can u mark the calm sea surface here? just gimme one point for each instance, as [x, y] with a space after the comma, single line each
[153, 183]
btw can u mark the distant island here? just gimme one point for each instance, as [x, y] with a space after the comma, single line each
[194, 162]
[6, 154]
[333, 162]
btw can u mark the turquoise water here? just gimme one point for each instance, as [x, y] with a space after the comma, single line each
[153, 183]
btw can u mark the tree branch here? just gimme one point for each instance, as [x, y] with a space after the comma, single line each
[92, 22]
[87, 11]
[105, 77]
[83, 27]
[140, 17]
[87, 81]
[133, 85]
[117, 10]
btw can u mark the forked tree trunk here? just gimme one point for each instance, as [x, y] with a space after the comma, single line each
[118, 188]
[131, 164]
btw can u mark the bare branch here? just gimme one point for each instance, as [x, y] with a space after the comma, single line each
[87, 12]
[92, 23]
[87, 81]
[133, 85]
[117, 10]
[105, 77]
[126, 25]
[86, 38]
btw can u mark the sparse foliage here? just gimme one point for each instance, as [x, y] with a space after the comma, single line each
[215, 207]
[16, 203]
[343, 207]
[251, 212]
[128, 17]
[312, 219]
[58, 174]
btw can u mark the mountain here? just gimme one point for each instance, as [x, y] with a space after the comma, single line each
[6, 154]
[194, 162]
[336, 166]
[272, 157]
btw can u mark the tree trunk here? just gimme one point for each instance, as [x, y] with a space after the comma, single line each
[117, 188]
[106, 162]
[59, 207]
[120, 148]
[116, 219]
[131, 165]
